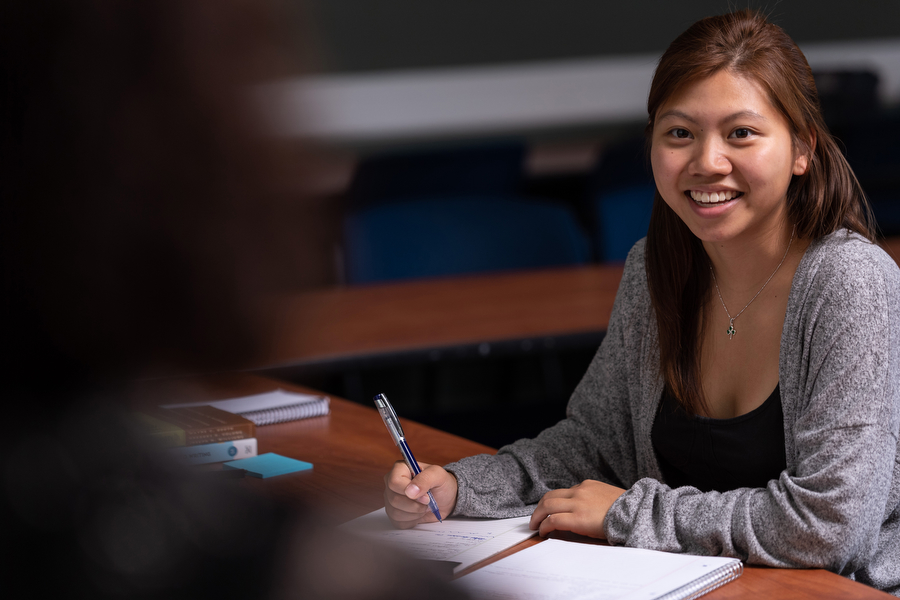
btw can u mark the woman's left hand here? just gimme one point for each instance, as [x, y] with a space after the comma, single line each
[580, 509]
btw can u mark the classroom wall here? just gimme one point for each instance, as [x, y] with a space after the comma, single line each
[566, 77]
[367, 35]
[422, 71]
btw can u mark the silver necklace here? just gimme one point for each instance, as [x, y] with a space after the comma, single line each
[730, 333]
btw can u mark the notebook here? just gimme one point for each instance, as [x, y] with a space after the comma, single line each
[271, 407]
[556, 569]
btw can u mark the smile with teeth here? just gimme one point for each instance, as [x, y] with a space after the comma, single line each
[714, 197]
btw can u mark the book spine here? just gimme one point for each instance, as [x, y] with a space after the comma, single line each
[224, 433]
[168, 439]
[211, 453]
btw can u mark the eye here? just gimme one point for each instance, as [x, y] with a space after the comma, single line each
[741, 133]
[680, 133]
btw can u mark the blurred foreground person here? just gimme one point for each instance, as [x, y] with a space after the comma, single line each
[144, 214]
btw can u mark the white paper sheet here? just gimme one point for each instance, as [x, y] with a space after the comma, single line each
[460, 540]
[560, 570]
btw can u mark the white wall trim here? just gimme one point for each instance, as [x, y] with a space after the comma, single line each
[497, 99]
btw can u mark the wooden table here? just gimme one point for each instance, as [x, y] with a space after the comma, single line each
[473, 313]
[352, 451]
[892, 246]
[453, 316]
[350, 448]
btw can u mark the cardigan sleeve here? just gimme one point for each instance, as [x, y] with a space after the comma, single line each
[839, 371]
[594, 441]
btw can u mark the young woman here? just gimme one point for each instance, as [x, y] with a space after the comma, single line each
[746, 399]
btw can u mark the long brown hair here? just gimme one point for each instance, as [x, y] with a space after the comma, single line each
[826, 198]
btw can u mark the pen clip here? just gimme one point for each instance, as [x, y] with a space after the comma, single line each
[389, 415]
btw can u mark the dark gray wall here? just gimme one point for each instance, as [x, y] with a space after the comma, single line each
[367, 35]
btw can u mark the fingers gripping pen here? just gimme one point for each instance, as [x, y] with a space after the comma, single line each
[392, 422]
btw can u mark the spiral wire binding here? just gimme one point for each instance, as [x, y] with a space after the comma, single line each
[707, 583]
[293, 412]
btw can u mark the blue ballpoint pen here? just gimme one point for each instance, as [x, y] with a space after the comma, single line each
[392, 422]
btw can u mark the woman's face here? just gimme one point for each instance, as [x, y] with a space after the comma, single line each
[723, 157]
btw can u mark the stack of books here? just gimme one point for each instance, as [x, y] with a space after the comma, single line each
[199, 434]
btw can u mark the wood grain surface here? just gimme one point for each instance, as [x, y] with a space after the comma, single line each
[348, 321]
[352, 321]
[351, 451]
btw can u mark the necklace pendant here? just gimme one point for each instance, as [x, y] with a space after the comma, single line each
[730, 333]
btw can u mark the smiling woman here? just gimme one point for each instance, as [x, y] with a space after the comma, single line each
[723, 157]
[733, 108]
[772, 438]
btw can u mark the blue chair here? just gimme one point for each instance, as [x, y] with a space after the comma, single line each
[621, 199]
[447, 235]
[491, 168]
[875, 157]
[847, 98]
[622, 217]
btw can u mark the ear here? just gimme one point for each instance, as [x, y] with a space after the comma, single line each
[801, 161]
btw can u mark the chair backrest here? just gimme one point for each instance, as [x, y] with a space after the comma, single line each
[621, 217]
[434, 236]
[870, 149]
[495, 168]
[621, 199]
[847, 97]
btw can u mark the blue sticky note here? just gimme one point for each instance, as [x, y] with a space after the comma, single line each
[268, 465]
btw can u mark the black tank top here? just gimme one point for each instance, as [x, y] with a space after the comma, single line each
[719, 454]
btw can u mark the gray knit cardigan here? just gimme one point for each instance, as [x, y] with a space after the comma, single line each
[836, 506]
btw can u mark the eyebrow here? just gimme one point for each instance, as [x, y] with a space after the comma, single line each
[741, 114]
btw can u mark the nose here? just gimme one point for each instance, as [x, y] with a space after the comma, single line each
[710, 157]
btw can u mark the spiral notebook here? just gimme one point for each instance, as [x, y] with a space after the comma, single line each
[271, 407]
[572, 570]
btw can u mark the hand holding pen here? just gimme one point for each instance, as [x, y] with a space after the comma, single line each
[408, 487]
